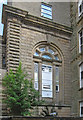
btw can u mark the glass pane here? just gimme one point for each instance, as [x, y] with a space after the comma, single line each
[36, 85]
[81, 34]
[81, 110]
[50, 51]
[81, 67]
[57, 78]
[56, 58]
[81, 48]
[57, 88]
[46, 7]
[82, 75]
[46, 11]
[36, 67]
[3, 60]
[46, 15]
[80, 8]
[36, 54]
[42, 49]
[46, 56]
[36, 76]
[57, 74]
[81, 40]
[81, 82]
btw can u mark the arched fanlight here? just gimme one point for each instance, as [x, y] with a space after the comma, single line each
[47, 53]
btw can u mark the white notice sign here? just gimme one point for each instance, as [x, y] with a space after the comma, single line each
[46, 81]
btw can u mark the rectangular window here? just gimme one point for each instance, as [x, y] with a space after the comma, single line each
[80, 7]
[57, 78]
[81, 109]
[46, 11]
[46, 81]
[81, 41]
[81, 75]
[3, 61]
[36, 76]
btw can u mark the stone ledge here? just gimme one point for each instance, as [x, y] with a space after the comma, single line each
[39, 118]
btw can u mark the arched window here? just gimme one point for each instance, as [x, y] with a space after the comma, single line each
[47, 61]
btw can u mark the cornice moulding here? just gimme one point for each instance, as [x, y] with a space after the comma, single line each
[33, 19]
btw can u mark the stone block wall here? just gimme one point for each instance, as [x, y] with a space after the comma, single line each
[0, 75]
[23, 33]
[60, 10]
[29, 38]
[76, 59]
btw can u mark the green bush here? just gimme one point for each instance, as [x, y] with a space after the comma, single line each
[20, 93]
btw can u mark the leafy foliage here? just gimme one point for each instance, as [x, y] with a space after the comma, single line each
[20, 93]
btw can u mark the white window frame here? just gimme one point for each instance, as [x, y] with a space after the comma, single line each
[80, 45]
[81, 105]
[36, 77]
[57, 80]
[46, 11]
[58, 88]
[80, 4]
[81, 81]
[46, 81]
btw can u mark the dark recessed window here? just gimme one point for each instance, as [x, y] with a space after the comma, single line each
[3, 61]
[46, 11]
[80, 7]
[81, 41]
[81, 109]
[81, 75]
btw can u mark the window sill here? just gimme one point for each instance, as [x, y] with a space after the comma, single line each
[50, 19]
[79, 18]
[81, 89]
[80, 53]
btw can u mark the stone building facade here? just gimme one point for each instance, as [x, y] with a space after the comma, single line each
[77, 57]
[47, 46]
[0, 75]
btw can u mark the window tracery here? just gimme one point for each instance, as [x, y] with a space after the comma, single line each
[46, 70]
[47, 53]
